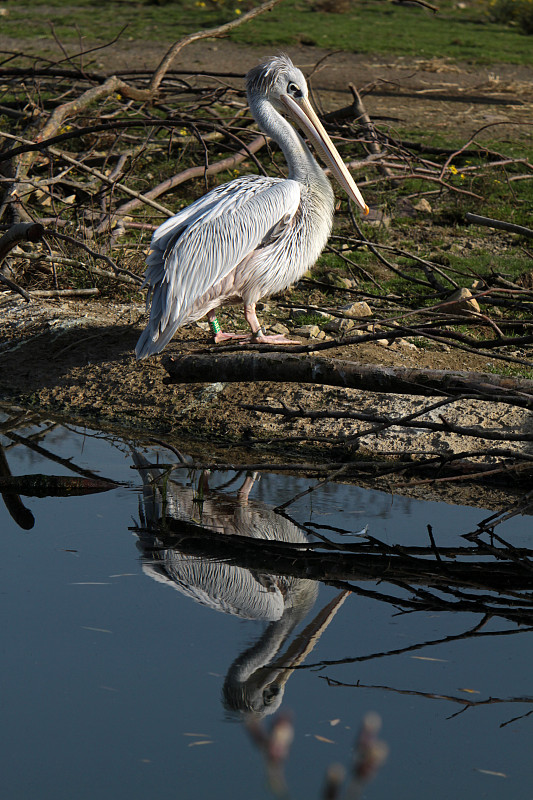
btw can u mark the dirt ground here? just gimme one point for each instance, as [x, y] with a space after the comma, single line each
[426, 94]
[74, 358]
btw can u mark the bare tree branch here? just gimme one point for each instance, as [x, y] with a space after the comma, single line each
[171, 54]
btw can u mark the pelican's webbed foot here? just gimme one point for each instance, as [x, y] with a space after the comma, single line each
[261, 337]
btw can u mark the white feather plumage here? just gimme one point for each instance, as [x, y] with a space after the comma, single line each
[249, 238]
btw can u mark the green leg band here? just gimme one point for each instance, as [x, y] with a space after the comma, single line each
[215, 327]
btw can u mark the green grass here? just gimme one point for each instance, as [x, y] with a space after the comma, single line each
[309, 319]
[509, 370]
[369, 26]
[379, 27]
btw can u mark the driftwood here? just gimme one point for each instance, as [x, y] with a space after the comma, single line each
[288, 368]
[16, 508]
[459, 574]
[37, 485]
[497, 223]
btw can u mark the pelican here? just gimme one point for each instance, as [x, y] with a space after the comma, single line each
[252, 237]
[256, 680]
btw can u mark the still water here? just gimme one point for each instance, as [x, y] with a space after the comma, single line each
[128, 665]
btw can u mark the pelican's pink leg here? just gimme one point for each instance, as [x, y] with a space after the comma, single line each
[258, 332]
[218, 335]
[246, 488]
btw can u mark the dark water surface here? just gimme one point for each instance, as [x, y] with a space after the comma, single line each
[125, 662]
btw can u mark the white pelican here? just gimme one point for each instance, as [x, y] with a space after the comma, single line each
[254, 236]
[256, 680]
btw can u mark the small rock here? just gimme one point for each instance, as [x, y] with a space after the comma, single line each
[383, 342]
[461, 301]
[339, 280]
[279, 328]
[406, 344]
[204, 326]
[321, 335]
[354, 310]
[423, 206]
[344, 283]
[309, 331]
[339, 326]
[346, 325]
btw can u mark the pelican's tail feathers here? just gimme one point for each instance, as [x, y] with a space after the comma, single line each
[153, 341]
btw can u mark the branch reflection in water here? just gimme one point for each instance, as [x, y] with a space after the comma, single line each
[256, 680]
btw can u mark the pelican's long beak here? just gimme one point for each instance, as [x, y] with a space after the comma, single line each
[304, 114]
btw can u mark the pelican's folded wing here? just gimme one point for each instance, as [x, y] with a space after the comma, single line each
[194, 250]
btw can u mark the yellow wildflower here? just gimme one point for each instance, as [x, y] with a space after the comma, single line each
[238, 11]
[453, 169]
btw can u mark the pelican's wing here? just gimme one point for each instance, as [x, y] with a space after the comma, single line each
[222, 587]
[200, 246]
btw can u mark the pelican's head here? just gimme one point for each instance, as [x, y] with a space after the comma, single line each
[275, 78]
[283, 85]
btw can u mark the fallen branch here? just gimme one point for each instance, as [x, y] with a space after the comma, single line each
[50, 128]
[91, 292]
[461, 580]
[289, 368]
[192, 172]
[365, 122]
[171, 54]
[446, 426]
[496, 223]
[21, 231]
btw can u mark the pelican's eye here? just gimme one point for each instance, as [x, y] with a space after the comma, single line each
[270, 693]
[294, 89]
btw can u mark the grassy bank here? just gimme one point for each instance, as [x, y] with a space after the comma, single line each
[459, 31]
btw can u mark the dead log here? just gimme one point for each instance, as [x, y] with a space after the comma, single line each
[38, 485]
[289, 368]
[333, 563]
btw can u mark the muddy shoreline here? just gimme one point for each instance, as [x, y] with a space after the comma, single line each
[74, 361]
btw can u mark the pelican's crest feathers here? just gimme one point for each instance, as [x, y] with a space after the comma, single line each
[260, 79]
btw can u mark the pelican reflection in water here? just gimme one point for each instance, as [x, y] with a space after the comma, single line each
[256, 680]
[252, 237]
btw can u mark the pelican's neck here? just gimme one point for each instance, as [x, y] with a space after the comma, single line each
[303, 166]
